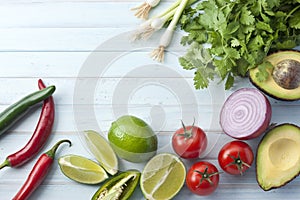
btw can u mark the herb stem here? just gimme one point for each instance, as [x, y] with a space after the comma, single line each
[292, 11]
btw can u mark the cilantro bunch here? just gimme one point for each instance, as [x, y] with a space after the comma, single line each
[226, 38]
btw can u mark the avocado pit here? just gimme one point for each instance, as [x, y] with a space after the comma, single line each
[283, 75]
[286, 74]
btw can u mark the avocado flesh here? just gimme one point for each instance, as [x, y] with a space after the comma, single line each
[278, 157]
[270, 87]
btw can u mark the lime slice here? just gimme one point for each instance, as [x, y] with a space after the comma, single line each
[162, 177]
[102, 151]
[81, 169]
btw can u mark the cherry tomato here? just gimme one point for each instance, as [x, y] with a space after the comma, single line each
[189, 142]
[202, 178]
[235, 157]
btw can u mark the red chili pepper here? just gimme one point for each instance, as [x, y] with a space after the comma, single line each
[39, 137]
[38, 172]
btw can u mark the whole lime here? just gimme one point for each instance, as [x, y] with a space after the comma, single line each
[132, 139]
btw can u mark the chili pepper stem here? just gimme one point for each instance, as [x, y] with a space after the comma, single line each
[38, 172]
[5, 164]
[51, 152]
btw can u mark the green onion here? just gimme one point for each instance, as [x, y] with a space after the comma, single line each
[165, 40]
[147, 28]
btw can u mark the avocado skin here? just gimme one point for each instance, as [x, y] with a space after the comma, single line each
[269, 93]
[285, 183]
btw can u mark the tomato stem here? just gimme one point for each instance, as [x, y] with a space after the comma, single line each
[206, 176]
[238, 162]
[187, 133]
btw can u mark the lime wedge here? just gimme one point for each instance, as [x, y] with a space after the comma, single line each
[81, 169]
[102, 151]
[162, 177]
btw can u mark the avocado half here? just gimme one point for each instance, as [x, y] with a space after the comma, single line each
[271, 86]
[278, 156]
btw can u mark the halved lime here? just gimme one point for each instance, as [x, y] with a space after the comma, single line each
[162, 177]
[102, 151]
[81, 169]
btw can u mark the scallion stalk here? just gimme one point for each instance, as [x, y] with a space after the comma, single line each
[165, 40]
[147, 28]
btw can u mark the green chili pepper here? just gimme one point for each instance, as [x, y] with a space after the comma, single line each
[119, 187]
[15, 111]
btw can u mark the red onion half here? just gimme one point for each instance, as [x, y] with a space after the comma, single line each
[246, 114]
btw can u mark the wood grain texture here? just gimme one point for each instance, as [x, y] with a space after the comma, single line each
[55, 40]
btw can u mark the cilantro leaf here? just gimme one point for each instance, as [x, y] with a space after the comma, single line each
[256, 43]
[264, 26]
[235, 42]
[263, 71]
[246, 17]
[273, 3]
[286, 44]
[231, 28]
[229, 82]
[202, 78]
[294, 20]
[232, 53]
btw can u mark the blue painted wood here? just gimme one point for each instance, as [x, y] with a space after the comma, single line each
[53, 39]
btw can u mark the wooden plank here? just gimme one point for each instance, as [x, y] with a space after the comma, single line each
[73, 64]
[70, 14]
[225, 191]
[91, 39]
[144, 90]
[137, 90]
[56, 39]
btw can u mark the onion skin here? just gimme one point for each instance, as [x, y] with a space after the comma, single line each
[233, 115]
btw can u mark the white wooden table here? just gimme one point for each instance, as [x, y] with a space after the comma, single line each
[81, 47]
